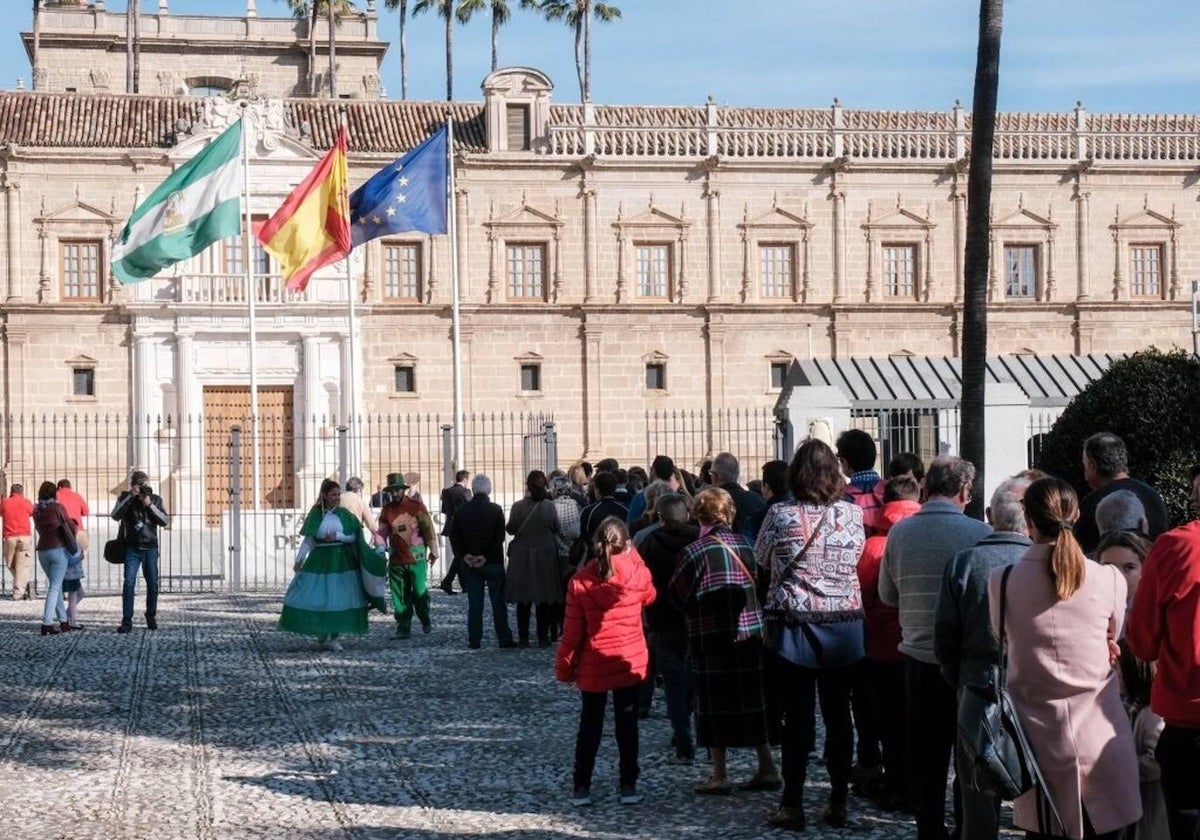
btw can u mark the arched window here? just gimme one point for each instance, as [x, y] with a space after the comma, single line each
[209, 86]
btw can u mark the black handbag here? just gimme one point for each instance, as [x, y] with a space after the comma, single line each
[1000, 761]
[70, 544]
[114, 549]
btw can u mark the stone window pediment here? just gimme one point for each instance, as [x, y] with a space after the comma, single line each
[786, 232]
[402, 359]
[1022, 243]
[899, 227]
[652, 225]
[525, 224]
[72, 226]
[1147, 228]
[655, 357]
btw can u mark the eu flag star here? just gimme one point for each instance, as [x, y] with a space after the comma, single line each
[404, 182]
[391, 211]
[401, 198]
[377, 220]
[391, 203]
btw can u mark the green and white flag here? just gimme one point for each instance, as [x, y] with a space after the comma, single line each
[198, 205]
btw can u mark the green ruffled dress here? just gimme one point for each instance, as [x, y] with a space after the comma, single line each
[338, 583]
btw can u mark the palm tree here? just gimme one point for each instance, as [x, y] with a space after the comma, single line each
[444, 10]
[501, 12]
[402, 5]
[975, 259]
[577, 14]
[334, 11]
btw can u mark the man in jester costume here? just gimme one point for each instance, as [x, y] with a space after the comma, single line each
[339, 577]
[407, 527]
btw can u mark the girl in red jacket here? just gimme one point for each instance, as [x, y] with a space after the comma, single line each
[603, 649]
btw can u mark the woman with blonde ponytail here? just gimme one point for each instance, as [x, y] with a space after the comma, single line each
[603, 649]
[1062, 615]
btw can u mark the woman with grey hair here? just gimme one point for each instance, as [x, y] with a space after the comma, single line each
[567, 508]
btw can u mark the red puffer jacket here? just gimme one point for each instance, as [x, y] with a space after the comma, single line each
[602, 645]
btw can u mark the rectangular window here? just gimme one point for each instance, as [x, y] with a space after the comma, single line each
[517, 123]
[779, 372]
[231, 255]
[406, 379]
[775, 270]
[1020, 271]
[526, 267]
[656, 377]
[402, 272]
[80, 270]
[899, 271]
[653, 271]
[531, 377]
[83, 382]
[1146, 271]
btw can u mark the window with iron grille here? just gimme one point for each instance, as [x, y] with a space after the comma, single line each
[779, 371]
[1020, 271]
[526, 272]
[402, 271]
[531, 377]
[776, 270]
[80, 262]
[1146, 271]
[83, 382]
[406, 379]
[653, 270]
[900, 271]
[656, 376]
[517, 124]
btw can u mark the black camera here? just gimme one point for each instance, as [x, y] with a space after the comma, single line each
[144, 490]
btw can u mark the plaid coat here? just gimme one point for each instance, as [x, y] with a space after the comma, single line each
[715, 591]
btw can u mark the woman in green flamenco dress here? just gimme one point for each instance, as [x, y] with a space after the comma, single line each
[339, 577]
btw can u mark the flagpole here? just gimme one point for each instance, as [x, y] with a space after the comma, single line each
[455, 319]
[251, 296]
[352, 324]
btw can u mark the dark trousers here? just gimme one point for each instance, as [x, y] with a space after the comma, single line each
[886, 680]
[455, 571]
[932, 730]
[867, 724]
[491, 577]
[646, 688]
[147, 560]
[1178, 755]
[979, 814]
[669, 651]
[544, 614]
[591, 727]
[800, 689]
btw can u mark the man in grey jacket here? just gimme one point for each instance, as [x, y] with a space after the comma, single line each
[910, 578]
[963, 642]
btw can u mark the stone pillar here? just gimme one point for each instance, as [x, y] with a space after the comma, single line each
[839, 245]
[144, 408]
[1006, 416]
[960, 240]
[590, 242]
[12, 206]
[822, 412]
[593, 422]
[460, 231]
[184, 376]
[310, 409]
[16, 341]
[1083, 218]
[714, 244]
[714, 335]
[347, 410]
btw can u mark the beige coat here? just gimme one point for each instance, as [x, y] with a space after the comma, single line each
[1067, 696]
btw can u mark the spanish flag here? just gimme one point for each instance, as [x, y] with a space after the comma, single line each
[312, 228]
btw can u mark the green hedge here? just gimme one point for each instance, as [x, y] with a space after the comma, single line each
[1152, 401]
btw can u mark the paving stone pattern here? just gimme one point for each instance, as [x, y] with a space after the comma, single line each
[219, 726]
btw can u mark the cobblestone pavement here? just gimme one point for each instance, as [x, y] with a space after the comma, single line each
[219, 726]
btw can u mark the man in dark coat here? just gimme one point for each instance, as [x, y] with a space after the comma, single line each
[477, 538]
[454, 497]
[746, 505]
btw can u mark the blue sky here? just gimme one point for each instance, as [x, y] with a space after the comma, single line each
[1115, 55]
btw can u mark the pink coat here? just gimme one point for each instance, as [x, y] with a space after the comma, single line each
[1067, 696]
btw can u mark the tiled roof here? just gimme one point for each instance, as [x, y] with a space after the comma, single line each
[936, 381]
[150, 122]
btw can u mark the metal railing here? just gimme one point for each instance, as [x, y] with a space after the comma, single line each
[201, 466]
[926, 432]
[754, 435]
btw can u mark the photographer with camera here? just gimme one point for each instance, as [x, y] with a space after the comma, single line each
[141, 513]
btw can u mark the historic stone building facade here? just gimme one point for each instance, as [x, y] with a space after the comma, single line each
[613, 259]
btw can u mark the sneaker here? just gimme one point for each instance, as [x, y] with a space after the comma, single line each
[581, 797]
[151, 623]
[334, 645]
[125, 627]
[427, 627]
[448, 588]
[630, 796]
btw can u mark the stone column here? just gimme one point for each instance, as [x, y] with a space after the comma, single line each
[1083, 218]
[143, 400]
[348, 375]
[460, 230]
[960, 240]
[589, 243]
[713, 197]
[839, 245]
[184, 376]
[12, 205]
[16, 341]
[310, 408]
[593, 422]
[714, 335]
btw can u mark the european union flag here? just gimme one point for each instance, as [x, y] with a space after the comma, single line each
[407, 195]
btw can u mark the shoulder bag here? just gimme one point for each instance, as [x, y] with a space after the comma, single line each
[771, 625]
[114, 549]
[1000, 761]
[68, 533]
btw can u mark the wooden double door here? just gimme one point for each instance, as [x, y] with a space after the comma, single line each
[226, 406]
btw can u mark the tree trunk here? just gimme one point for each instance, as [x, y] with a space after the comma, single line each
[495, 39]
[449, 50]
[37, 41]
[404, 49]
[579, 59]
[312, 49]
[137, 48]
[976, 253]
[332, 51]
[587, 50]
[130, 11]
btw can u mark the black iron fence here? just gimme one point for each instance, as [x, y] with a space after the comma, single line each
[237, 494]
[927, 431]
[754, 435]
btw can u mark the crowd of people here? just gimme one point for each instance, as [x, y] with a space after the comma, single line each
[819, 586]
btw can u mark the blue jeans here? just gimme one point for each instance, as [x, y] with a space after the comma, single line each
[669, 651]
[490, 575]
[147, 559]
[54, 563]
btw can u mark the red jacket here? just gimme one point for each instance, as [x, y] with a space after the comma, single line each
[871, 504]
[1164, 624]
[883, 622]
[17, 513]
[603, 645]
